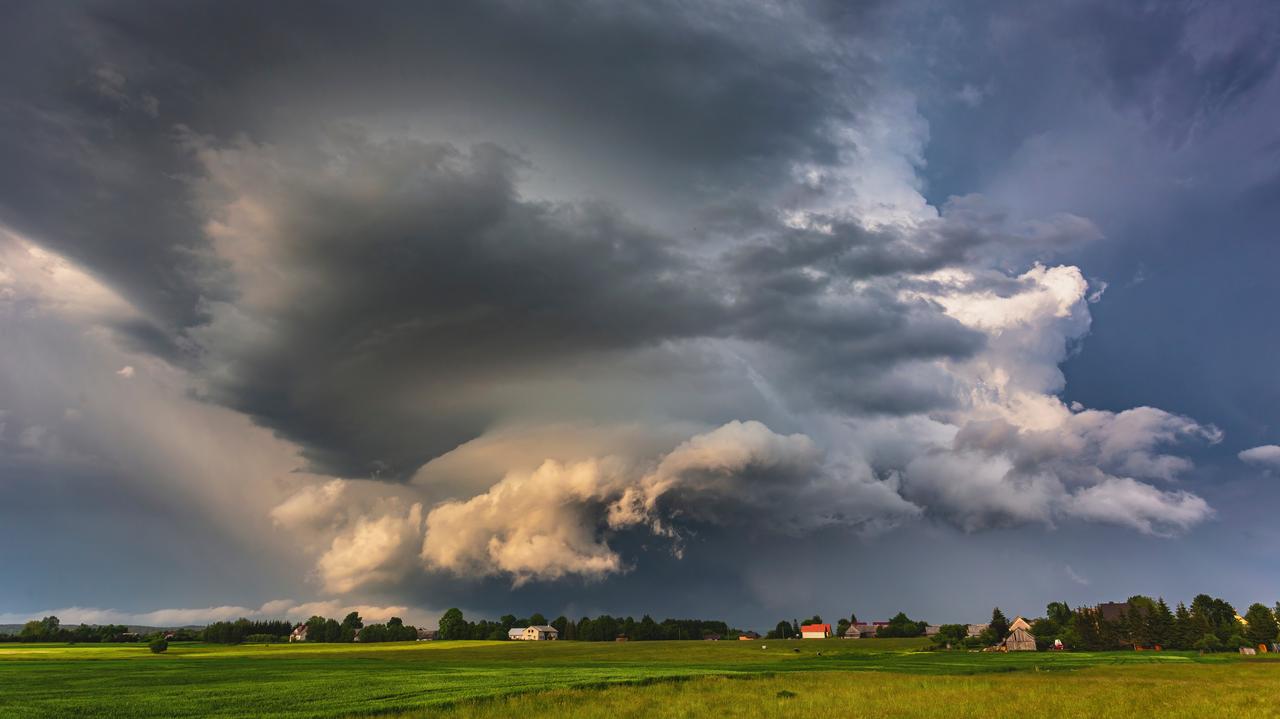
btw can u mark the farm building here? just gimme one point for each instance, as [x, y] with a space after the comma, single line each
[299, 633]
[1020, 623]
[1019, 640]
[537, 633]
[815, 631]
[853, 632]
[427, 635]
[931, 630]
[864, 630]
[974, 630]
[1113, 611]
[748, 636]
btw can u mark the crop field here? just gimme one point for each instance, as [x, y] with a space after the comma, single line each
[677, 679]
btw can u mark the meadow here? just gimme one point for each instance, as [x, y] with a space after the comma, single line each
[679, 679]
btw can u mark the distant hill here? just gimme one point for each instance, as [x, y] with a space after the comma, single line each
[15, 628]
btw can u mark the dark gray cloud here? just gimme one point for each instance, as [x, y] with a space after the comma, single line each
[403, 233]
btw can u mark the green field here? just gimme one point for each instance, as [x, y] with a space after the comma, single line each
[686, 679]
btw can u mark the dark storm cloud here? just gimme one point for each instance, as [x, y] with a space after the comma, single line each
[394, 282]
[395, 308]
[415, 301]
[381, 231]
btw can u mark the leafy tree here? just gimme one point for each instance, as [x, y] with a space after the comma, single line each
[1059, 613]
[795, 628]
[352, 621]
[158, 646]
[901, 626]
[783, 630]
[1262, 627]
[842, 626]
[452, 625]
[1218, 614]
[1085, 631]
[1208, 643]
[537, 620]
[815, 619]
[951, 635]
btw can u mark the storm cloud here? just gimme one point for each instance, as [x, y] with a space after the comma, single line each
[552, 295]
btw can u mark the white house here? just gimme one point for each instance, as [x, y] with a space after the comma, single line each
[537, 633]
[815, 631]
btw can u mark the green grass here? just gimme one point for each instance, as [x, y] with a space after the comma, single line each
[507, 678]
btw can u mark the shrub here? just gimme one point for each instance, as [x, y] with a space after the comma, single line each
[158, 646]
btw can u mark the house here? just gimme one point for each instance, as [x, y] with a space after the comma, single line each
[853, 632]
[865, 630]
[1019, 640]
[931, 630]
[975, 630]
[536, 633]
[748, 636]
[815, 631]
[1113, 611]
[427, 635]
[299, 633]
[1020, 623]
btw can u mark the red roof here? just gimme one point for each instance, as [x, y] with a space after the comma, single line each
[815, 628]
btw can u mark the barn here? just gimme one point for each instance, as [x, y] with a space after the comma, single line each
[1020, 640]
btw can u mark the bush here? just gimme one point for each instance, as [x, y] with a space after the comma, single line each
[158, 646]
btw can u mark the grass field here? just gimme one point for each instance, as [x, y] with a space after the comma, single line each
[679, 679]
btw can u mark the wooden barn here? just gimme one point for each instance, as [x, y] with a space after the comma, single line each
[1020, 640]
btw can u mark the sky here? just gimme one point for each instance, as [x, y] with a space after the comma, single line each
[745, 310]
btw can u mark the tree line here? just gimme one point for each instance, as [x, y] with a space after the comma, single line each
[51, 629]
[320, 629]
[604, 628]
[1208, 624]
[899, 626]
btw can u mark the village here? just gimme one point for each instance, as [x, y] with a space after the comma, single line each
[1139, 624]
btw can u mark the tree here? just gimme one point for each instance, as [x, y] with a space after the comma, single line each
[1059, 613]
[842, 626]
[452, 625]
[795, 628]
[1262, 627]
[901, 626]
[1086, 630]
[783, 630]
[43, 630]
[1160, 624]
[1183, 635]
[537, 620]
[315, 628]
[951, 635]
[158, 646]
[1208, 643]
[815, 619]
[352, 621]
[853, 616]
[999, 626]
